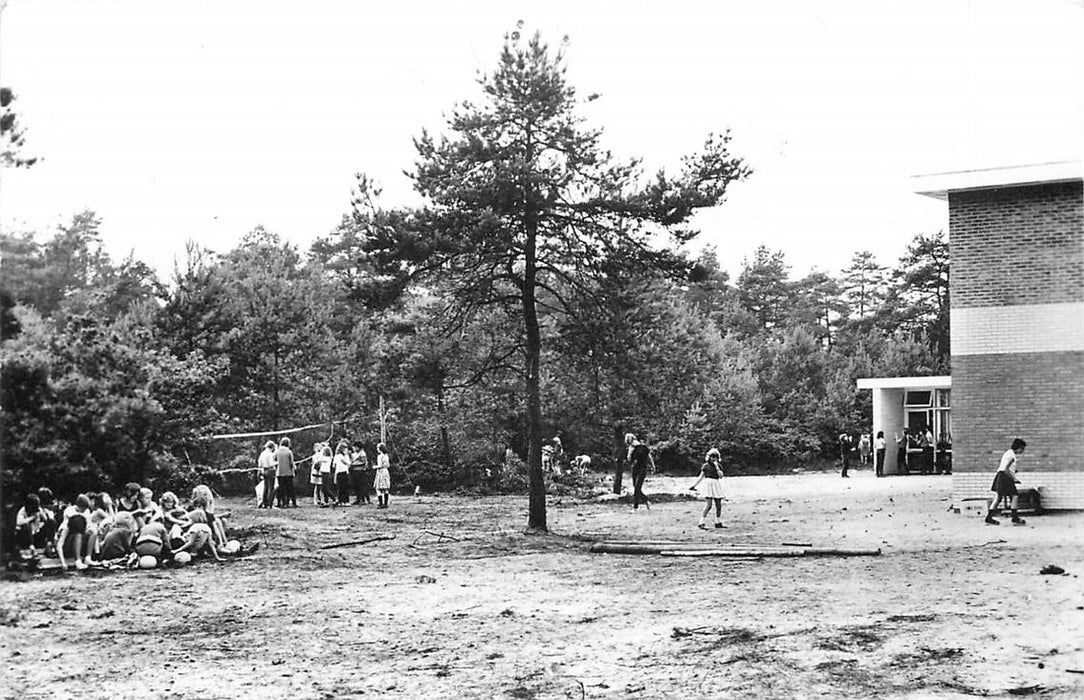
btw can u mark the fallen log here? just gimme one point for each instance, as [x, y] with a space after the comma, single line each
[732, 553]
[351, 543]
[807, 552]
[715, 550]
[639, 548]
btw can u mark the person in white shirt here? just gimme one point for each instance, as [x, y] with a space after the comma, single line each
[1005, 481]
[880, 447]
[342, 473]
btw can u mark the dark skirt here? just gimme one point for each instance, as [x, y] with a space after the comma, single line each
[1004, 484]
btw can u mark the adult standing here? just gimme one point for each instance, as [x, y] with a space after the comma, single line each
[285, 469]
[639, 456]
[268, 471]
[880, 447]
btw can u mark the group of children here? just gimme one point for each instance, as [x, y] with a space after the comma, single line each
[95, 530]
[334, 476]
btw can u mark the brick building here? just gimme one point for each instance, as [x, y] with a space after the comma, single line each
[1017, 315]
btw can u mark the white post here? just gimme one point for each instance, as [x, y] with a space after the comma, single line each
[383, 423]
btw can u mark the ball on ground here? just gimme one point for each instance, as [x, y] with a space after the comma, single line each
[232, 547]
[182, 558]
[147, 561]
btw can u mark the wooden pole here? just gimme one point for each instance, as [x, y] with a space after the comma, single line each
[383, 423]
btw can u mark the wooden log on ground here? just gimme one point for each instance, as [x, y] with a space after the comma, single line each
[641, 548]
[832, 552]
[352, 543]
[804, 552]
[736, 553]
[737, 550]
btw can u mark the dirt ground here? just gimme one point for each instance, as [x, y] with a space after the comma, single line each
[951, 608]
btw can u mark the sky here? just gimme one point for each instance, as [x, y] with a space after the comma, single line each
[199, 120]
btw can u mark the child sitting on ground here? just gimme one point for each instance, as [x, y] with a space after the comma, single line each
[174, 518]
[118, 544]
[28, 525]
[102, 515]
[204, 496]
[52, 520]
[153, 540]
[198, 539]
[148, 510]
[74, 536]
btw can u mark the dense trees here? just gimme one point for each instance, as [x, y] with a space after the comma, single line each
[543, 288]
[526, 214]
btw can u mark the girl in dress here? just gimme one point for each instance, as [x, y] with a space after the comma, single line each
[712, 476]
[316, 476]
[383, 475]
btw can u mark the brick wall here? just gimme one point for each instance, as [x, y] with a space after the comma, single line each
[1058, 490]
[1036, 396]
[1017, 339]
[1019, 245]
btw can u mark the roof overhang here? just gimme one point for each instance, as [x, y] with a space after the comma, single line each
[939, 382]
[939, 185]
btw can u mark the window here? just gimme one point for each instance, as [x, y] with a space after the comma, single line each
[944, 398]
[916, 399]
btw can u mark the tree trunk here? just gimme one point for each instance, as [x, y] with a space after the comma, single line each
[536, 519]
[445, 443]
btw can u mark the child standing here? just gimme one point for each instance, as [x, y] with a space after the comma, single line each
[383, 475]
[316, 475]
[342, 473]
[712, 476]
[1005, 481]
[327, 478]
[360, 473]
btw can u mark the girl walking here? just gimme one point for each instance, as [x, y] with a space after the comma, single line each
[382, 481]
[712, 476]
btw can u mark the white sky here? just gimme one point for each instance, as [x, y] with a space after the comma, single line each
[199, 120]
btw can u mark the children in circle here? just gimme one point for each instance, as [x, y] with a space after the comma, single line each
[96, 530]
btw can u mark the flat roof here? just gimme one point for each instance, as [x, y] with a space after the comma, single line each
[938, 185]
[940, 382]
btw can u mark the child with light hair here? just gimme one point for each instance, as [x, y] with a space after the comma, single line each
[206, 498]
[198, 538]
[174, 518]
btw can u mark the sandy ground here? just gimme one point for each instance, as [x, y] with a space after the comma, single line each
[952, 607]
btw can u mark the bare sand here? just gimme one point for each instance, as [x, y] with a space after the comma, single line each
[951, 608]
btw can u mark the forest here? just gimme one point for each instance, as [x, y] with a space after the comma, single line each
[545, 287]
